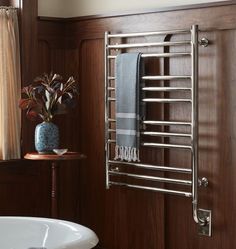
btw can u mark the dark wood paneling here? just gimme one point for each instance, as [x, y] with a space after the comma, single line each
[29, 60]
[136, 219]
[54, 57]
[123, 218]
[24, 186]
[110, 213]
[24, 189]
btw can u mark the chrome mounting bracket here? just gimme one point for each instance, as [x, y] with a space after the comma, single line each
[204, 229]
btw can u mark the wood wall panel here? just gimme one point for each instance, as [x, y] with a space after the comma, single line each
[29, 61]
[120, 215]
[124, 218]
[54, 57]
[23, 189]
[91, 129]
[216, 142]
[24, 185]
[109, 211]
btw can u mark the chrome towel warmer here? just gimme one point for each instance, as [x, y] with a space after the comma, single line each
[201, 217]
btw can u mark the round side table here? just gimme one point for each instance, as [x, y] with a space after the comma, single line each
[54, 159]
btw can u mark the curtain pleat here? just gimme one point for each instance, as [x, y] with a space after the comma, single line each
[10, 85]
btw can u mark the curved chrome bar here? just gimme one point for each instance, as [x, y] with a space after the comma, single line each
[200, 221]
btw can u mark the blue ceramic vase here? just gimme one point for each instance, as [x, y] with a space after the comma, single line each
[46, 137]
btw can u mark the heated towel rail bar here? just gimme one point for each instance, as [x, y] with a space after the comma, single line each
[201, 217]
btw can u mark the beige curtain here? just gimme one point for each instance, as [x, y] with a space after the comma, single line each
[10, 85]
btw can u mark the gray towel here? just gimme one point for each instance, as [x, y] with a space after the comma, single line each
[127, 76]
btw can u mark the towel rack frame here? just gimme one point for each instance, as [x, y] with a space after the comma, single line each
[202, 217]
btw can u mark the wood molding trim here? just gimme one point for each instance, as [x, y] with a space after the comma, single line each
[29, 59]
[28, 20]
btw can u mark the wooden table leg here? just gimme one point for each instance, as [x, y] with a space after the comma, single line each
[54, 190]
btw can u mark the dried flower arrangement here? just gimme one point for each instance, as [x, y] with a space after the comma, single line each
[48, 96]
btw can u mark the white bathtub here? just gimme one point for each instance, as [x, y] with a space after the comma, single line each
[43, 233]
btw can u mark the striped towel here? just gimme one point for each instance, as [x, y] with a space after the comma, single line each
[127, 76]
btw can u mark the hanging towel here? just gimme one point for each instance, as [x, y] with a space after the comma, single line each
[127, 75]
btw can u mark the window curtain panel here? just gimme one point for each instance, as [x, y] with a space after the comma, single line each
[10, 85]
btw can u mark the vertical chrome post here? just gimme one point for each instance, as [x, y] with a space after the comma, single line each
[107, 110]
[194, 121]
[201, 217]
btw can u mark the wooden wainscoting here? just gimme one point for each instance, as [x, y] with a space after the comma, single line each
[125, 218]
[136, 219]
[24, 187]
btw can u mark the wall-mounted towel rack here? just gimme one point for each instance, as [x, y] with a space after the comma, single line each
[114, 172]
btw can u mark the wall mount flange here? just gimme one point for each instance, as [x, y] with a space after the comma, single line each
[203, 182]
[204, 42]
[205, 229]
